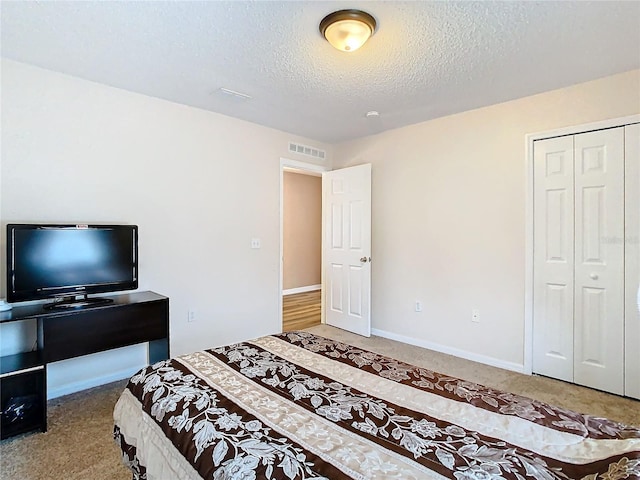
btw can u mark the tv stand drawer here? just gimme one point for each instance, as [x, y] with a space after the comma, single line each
[92, 330]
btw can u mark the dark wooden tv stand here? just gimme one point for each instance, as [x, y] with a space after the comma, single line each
[68, 333]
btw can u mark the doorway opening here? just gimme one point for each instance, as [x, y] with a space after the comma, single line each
[301, 245]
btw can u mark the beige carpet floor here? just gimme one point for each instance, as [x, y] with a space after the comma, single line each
[79, 445]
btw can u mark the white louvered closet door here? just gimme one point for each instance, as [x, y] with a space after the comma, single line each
[579, 259]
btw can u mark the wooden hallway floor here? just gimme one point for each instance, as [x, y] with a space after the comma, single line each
[300, 310]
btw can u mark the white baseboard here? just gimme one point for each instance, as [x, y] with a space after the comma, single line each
[475, 357]
[66, 389]
[308, 288]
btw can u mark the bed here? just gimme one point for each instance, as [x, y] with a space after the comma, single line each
[300, 406]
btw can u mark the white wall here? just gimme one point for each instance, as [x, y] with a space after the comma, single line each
[449, 217]
[448, 209]
[199, 185]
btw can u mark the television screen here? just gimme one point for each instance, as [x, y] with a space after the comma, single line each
[45, 261]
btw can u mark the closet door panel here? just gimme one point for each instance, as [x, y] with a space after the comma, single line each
[553, 258]
[632, 261]
[599, 260]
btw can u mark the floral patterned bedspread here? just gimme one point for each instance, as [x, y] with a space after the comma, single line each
[300, 406]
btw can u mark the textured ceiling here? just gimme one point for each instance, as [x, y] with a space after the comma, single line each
[426, 59]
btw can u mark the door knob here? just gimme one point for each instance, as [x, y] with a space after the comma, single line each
[594, 276]
[363, 259]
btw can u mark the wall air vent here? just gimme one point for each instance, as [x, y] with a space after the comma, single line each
[308, 151]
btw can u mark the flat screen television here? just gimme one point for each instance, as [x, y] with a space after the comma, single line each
[64, 262]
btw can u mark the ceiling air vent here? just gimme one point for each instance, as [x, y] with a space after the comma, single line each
[306, 150]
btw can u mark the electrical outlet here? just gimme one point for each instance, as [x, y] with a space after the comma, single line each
[418, 306]
[255, 243]
[475, 315]
[191, 316]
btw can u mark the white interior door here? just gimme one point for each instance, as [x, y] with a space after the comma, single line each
[553, 258]
[632, 261]
[599, 260]
[346, 260]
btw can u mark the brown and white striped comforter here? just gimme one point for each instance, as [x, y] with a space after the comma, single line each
[300, 406]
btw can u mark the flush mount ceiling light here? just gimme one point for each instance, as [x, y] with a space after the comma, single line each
[347, 30]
